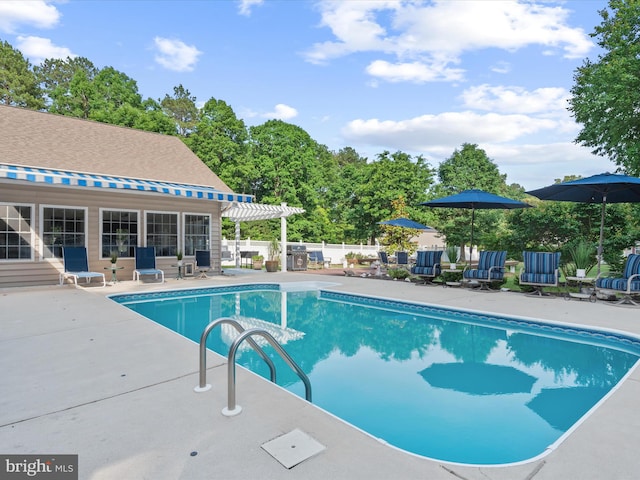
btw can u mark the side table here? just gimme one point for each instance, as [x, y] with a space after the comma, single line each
[452, 283]
[114, 269]
[584, 293]
[179, 276]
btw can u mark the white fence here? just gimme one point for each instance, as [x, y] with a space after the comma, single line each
[336, 252]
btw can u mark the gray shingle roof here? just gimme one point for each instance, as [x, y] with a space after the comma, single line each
[37, 139]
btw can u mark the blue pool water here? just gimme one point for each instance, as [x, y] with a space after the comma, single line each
[455, 386]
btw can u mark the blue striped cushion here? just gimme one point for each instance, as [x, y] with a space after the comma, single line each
[613, 283]
[543, 278]
[429, 271]
[540, 262]
[632, 267]
[496, 274]
[491, 259]
[427, 263]
[428, 258]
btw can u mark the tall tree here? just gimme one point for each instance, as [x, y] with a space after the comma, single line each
[469, 168]
[388, 178]
[18, 82]
[62, 82]
[182, 108]
[606, 93]
[219, 138]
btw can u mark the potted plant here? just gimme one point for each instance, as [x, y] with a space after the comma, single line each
[257, 261]
[114, 258]
[583, 257]
[274, 250]
[179, 257]
[351, 258]
[453, 254]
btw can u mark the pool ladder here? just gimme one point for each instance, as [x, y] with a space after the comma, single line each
[232, 408]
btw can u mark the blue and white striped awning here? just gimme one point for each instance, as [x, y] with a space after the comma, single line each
[75, 179]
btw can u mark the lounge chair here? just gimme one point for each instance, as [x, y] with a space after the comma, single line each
[317, 259]
[203, 262]
[427, 264]
[628, 283]
[383, 258]
[146, 263]
[540, 270]
[402, 260]
[76, 265]
[490, 268]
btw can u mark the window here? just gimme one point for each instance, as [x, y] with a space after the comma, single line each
[119, 232]
[162, 233]
[196, 233]
[15, 232]
[62, 226]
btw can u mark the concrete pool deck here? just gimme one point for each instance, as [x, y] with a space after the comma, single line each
[84, 375]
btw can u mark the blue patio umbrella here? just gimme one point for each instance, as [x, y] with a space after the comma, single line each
[405, 223]
[602, 188]
[476, 199]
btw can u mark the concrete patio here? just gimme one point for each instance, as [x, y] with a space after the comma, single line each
[84, 375]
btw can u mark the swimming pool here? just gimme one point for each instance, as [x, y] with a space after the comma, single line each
[455, 386]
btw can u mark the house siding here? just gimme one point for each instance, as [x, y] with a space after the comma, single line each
[39, 271]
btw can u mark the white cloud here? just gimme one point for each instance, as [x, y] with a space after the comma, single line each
[246, 5]
[515, 99]
[449, 129]
[37, 49]
[427, 38]
[176, 55]
[282, 112]
[538, 165]
[413, 72]
[34, 13]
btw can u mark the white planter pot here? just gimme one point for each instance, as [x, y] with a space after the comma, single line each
[452, 266]
[581, 273]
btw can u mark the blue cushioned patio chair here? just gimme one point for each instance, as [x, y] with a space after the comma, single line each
[490, 268]
[383, 258]
[76, 265]
[540, 270]
[203, 262]
[628, 284]
[402, 260]
[317, 259]
[146, 263]
[427, 264]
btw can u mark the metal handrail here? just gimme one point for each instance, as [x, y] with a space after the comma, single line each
[232, 408]
[203, 386]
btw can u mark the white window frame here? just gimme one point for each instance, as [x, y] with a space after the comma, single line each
[140, 224]
[32, 231]
[178, 229]
[184, 231]
[66, 207]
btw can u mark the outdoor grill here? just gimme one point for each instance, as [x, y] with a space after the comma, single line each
[296, 257]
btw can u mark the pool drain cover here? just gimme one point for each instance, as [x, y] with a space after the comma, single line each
[292, 448]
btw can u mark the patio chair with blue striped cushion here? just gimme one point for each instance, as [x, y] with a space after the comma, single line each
[628, 284]
[427, 264]
[540, 270]
[490, 268]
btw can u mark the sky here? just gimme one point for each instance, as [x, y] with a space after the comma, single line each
[421, 77]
